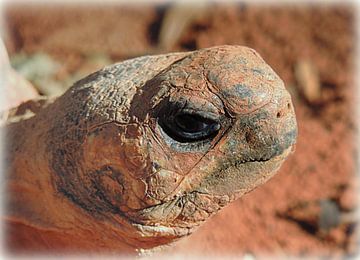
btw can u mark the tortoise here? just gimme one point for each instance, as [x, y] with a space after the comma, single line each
[142, 152]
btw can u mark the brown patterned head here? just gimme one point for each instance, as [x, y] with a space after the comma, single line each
[207, 128]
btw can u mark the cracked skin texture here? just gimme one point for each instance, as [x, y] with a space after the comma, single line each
[98, 170]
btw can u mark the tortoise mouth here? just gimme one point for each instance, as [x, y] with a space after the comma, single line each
[277, 153]
[181, 215]
[275, 150]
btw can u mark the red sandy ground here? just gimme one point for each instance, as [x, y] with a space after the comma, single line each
[323, 166]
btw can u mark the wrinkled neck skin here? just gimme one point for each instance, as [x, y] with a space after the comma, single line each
[36, 212]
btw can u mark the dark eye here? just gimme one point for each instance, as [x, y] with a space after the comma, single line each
[191, 124]
[185, 127]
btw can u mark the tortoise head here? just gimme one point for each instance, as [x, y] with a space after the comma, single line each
[208, 128]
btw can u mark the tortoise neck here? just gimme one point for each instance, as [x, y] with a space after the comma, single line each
[36, 212]
[28, 182]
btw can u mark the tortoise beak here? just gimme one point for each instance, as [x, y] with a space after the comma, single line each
[253, 150]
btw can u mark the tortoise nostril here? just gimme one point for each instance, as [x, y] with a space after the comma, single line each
[283, 110]
[250, 137]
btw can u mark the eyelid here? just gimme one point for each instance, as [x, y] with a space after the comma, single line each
[194, 103]
[203, 114]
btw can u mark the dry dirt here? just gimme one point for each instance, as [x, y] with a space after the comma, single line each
[287, 215]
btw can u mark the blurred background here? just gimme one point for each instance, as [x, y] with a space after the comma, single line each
[308, 208]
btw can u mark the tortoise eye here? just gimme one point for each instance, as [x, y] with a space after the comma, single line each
[186, 127]
[190, 124]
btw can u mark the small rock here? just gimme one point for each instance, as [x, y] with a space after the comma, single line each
[15, 88]
[176, 20]
[329, 215]
[307, 77]
[348, 199]
[40, 69]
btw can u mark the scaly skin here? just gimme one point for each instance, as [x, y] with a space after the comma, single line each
[99, 170]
